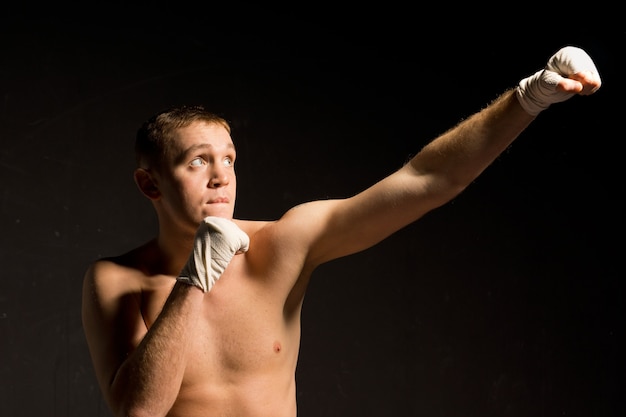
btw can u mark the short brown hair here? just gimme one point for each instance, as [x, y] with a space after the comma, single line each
[153, 139]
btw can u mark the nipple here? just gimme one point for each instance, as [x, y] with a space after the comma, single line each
[277, 347]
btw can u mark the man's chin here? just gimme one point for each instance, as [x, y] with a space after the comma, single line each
[226, 214]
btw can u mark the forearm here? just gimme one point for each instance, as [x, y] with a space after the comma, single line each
[457, 157]
[150, 378]
[453, 160]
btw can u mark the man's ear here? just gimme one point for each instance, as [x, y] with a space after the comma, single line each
[147, 185]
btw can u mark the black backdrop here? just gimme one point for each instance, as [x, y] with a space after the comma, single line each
[508, 301]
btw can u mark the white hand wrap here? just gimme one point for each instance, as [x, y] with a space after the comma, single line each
[216, 242]
[537, 92]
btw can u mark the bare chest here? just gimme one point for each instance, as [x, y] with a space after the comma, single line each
[241, 329]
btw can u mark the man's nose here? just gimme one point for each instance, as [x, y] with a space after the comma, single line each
[218, 176]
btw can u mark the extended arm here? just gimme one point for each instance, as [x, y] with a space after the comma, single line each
[448, 164]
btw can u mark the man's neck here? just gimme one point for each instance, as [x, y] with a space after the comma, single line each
[174, 246]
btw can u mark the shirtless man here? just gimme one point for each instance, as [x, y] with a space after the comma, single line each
[206, 322]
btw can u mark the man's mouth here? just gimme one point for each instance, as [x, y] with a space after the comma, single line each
[218, 200]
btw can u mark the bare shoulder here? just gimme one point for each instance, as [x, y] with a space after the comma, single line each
[115, 285]
[114, 274]
[299, 235]
[301, 222]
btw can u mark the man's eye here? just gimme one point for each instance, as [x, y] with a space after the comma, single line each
[228, 162]
[196, 162]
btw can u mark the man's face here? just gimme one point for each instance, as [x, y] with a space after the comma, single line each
[198, 179]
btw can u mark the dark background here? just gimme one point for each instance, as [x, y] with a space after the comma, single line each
[508, 301]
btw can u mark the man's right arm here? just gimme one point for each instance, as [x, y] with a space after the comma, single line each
[139, 371]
